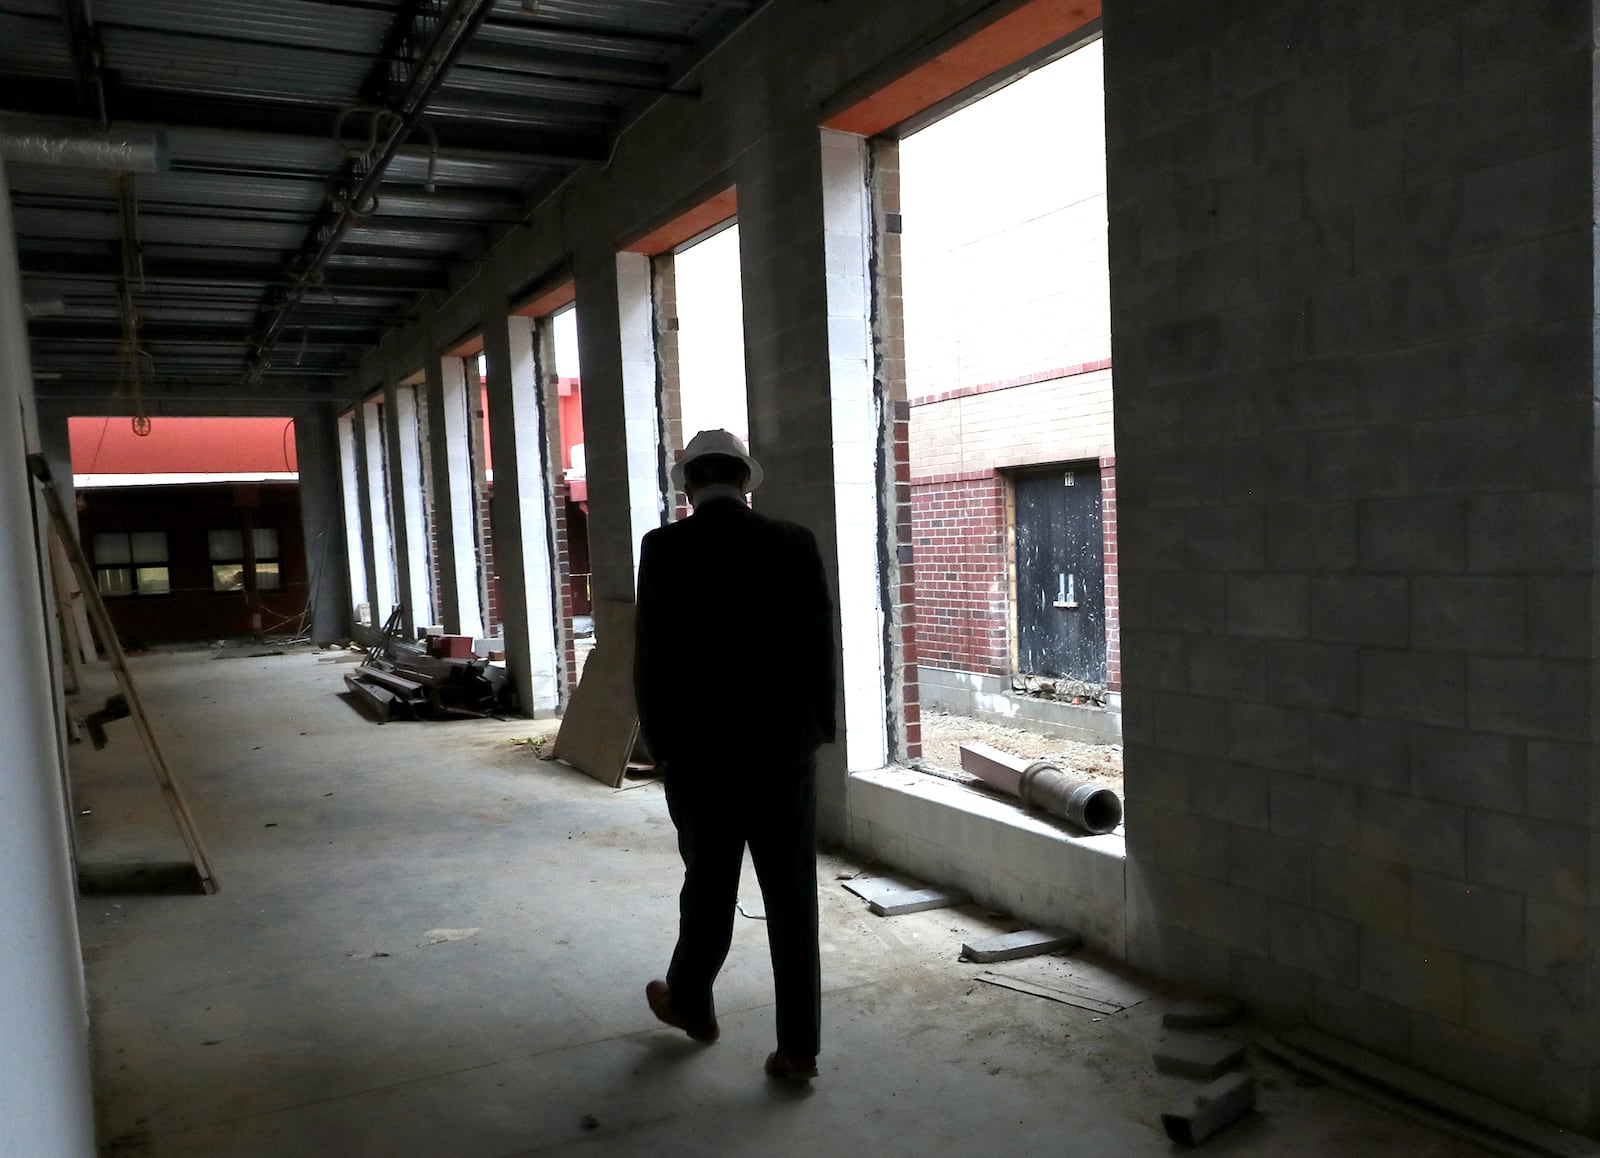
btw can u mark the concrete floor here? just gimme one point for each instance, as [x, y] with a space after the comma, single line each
[302, 1011]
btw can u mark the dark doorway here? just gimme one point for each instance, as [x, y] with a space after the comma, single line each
[1061, 608]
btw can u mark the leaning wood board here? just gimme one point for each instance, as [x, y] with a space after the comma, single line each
[601, 724]
[119, 664]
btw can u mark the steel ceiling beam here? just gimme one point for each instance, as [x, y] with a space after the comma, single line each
[436, 38]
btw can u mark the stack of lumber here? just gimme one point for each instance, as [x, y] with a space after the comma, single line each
[406, 683]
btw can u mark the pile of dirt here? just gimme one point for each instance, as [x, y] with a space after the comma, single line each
[943, 735]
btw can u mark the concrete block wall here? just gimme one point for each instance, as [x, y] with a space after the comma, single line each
[1109, 558]
[1019, 863]
[1352, 305]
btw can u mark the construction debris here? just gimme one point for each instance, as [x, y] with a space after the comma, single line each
[1223, 1101]
[1196, 1054]
[116, 708]
[889, 898]
[1441, 1105]
[1023, 943]
[1082, 802]
[442, 936]
[399, 680]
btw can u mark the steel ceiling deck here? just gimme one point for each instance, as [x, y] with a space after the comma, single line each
[247, 93]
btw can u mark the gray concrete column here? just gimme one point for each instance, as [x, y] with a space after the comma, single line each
[372, 478]
[316, 441]
[523, 543]
[454, 495]
[407, 520]
[354, 518]
[813, 419]
[45, 1100]
[623, 454]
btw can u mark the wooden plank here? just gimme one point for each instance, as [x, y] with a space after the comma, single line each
[82, 637]
[601, 724]
[1470, 1127]
[376, 703]
[70, 645]
[1441, 1096]
[1082, 1001]
[398, 684]
[119, 664]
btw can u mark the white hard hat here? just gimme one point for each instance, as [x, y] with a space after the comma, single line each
[716, 442]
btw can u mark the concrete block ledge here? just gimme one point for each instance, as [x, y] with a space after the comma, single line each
[990, 698]
[951, 835]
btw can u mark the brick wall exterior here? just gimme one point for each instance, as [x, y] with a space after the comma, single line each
[889, 348]
[957, 440]
[958, 525]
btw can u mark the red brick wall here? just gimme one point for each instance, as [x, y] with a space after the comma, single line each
[958, 527]
[903, 609]
[491, 613]
[958, 439]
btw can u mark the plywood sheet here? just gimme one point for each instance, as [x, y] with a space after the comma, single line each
[601, 725]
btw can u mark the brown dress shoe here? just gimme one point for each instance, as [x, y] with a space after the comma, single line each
[783, 1068]
[660, 1000]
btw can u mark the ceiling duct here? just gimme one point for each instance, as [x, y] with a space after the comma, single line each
[80, 145]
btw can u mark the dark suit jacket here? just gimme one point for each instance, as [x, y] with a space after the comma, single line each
[734, 655]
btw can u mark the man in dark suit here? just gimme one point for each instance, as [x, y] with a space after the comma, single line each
[734, 675]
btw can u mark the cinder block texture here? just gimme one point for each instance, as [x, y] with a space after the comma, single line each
[1349, 246]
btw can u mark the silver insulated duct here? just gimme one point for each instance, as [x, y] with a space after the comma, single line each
[80, 145]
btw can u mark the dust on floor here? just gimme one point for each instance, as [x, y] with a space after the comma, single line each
[943, 734]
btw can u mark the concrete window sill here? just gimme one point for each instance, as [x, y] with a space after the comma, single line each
[1006, 857]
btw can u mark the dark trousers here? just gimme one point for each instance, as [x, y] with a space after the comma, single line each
[718, 811]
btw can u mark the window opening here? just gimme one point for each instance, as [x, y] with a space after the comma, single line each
[131, 563]
[1006, 297]
[574, 467]
[710, 329]
[229, 563]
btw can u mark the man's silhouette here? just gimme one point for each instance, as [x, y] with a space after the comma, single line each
[734, 675]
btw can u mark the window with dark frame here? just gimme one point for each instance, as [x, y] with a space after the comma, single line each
[131, 563]
[226, 549]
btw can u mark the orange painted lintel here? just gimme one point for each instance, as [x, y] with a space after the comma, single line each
[1036, 24]
[546, 303]
[467, 348]
[714, 210]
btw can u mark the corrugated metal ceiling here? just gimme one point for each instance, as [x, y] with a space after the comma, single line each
[248, 93]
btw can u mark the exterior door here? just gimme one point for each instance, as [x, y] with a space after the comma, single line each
[1061, 606]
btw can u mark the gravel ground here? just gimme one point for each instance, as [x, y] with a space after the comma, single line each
[943, 735]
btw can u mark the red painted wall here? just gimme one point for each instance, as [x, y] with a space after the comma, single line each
[183, 446]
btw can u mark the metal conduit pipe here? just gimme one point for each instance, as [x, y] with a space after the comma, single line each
[80, 145]
[1081, 802]
[454, 29]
